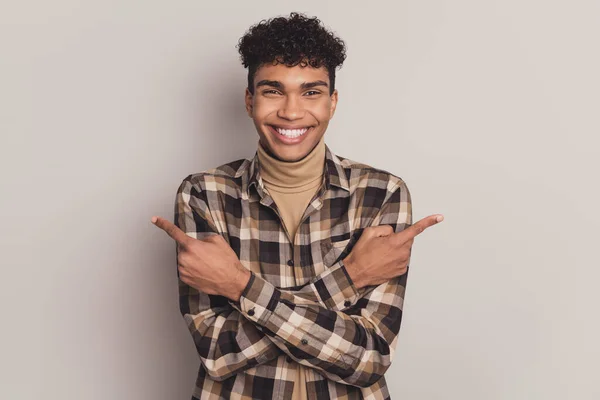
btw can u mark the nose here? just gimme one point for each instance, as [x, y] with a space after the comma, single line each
[291, 109]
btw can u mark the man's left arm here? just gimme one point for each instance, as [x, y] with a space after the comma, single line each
[354, 346]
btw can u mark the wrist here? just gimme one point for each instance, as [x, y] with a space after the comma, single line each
[354, 272]
[240, 281]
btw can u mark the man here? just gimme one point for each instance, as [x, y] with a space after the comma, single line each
[293, 264]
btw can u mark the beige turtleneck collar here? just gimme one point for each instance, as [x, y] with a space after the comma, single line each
[295, 176]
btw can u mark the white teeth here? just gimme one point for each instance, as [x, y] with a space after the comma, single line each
[292, 132]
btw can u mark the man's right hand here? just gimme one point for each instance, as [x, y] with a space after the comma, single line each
[380, 254]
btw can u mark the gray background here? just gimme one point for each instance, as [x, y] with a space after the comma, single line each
[487, 109]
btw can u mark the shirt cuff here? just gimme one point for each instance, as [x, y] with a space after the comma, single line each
[336, 289]
[258, 300]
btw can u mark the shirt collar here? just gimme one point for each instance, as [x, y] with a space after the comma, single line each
[333, 172]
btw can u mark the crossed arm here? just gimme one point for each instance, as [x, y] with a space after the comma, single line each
[349, 335]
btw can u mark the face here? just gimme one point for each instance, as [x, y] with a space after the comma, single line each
[291, 108]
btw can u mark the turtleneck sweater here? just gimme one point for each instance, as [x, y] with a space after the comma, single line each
[292, 185]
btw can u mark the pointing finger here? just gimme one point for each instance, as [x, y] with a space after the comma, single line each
[418, 227]
[172, 230]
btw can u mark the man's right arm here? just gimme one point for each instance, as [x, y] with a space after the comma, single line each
[226, 342]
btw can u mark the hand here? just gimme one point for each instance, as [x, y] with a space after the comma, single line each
[209, 265]
[380, 254]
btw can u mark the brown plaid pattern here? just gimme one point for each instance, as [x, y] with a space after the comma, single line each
[300, 305]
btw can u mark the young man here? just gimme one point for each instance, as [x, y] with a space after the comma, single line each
[293, 264]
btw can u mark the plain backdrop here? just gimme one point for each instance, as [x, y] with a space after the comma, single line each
[489, 110]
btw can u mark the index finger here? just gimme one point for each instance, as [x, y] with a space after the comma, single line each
[172, 230]
[419, 226]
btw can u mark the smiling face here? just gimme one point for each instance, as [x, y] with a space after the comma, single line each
[291, 108]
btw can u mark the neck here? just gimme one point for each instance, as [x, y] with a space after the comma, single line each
[276, 171]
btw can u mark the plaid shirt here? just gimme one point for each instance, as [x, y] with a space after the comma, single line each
[300, 305]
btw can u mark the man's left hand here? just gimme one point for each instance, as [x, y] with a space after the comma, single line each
[208, 264]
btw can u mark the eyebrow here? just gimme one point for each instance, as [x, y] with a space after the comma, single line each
[266, 82]
[308, 85]
[279, 85]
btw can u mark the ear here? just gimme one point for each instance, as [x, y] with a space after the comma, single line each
[249, 98]
[334, 100]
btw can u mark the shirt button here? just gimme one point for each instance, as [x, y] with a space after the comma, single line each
[347, 303]
[290, 263]
[304, 341]
[251, 312]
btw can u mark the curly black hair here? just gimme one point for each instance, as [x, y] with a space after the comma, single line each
[295, 40]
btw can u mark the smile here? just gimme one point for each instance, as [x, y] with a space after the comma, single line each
[291, 133]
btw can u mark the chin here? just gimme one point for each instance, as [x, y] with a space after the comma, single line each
[287, 153]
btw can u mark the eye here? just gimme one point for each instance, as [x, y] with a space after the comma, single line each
[315, 92]
[270, 91]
